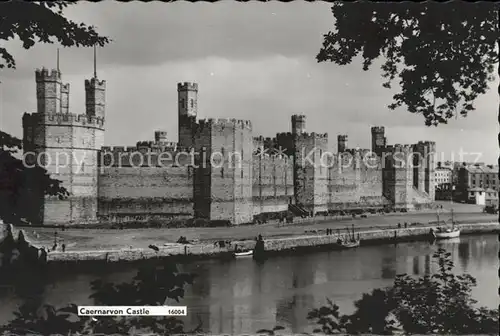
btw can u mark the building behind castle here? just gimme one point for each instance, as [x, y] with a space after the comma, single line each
[217, 170]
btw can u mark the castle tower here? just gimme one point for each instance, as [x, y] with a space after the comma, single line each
[379, 140]
[223, 175]
[341, 143]
[298, 124]
[48, 91]
[429, 169]
[187, 94]
[65, 98]
[310, 172]
[70, 144]
[95, 95]
[398, 176]
[420, 163]
[64, 91]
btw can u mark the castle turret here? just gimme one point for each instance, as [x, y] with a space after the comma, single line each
[95, 95]
[187, 94]
[160, 136]
[67, 146]
[379, 141]
[341, 143]
[64, 91]
[48, 91]
[298, 124]
[65, 98]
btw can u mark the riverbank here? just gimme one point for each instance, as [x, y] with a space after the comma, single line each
[272, 245]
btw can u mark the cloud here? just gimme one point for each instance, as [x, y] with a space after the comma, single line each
[252, 61]
[154, 33]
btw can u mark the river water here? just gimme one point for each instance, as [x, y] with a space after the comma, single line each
[241, 296]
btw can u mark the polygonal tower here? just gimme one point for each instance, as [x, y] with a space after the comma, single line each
[187, 94]
[48, 91]
[67, 146]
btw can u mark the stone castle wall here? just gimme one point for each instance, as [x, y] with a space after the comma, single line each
[214, 171]
[272, 184]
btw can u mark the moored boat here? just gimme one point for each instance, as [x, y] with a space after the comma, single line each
[443, 232]
[349, 242]
[243, 254]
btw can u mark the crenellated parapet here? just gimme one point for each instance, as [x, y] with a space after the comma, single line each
[63, 119]
[187, 86]
[313, 135]
[398, 148]
[95, 83]
[284, 135]
[46, 75]
[378, 129]
[65, 88]
[203, 125]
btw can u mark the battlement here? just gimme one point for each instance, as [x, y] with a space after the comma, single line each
[378, 129]
[429, 144]
[187, 86]
[399, 148]
[63, 119]
[284, 134]
[298, 117]
[342, 137]
[65, 88]
[226, 122]
[95, 83]
[46, 75]
[314, 135]
[160, 135]
[157, 146]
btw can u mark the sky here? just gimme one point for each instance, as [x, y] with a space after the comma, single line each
[253, 61]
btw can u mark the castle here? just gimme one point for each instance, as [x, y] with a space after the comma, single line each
[217, 170]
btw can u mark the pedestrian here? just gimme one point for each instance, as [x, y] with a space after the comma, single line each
[64, 247]
[406, 225]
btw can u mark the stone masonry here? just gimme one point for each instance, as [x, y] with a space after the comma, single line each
[216, 171]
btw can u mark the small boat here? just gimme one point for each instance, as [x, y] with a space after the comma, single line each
[443, 232]
[243, 254]
[350, 242]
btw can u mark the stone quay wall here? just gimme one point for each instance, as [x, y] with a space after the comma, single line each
[272, 245]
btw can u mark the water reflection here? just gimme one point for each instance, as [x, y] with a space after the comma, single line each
[387, 270]
[463, 255]
[427, 264]
[241, 296]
